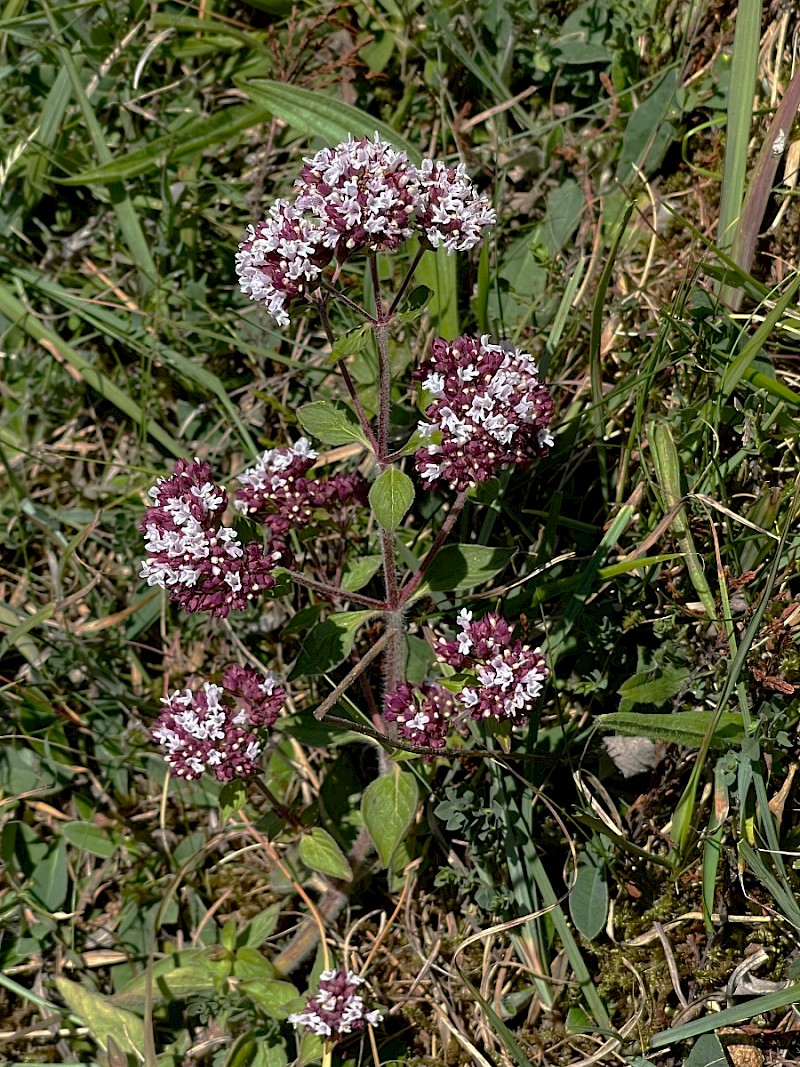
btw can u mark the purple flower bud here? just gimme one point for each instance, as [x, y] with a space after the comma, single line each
[337, 1009]
[215, 729]
[509, 673]
[422, 713]
[451, 214]
[200, 562]
[489, 408]
[365, 192]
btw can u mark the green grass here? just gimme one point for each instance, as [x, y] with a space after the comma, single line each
[653, 555]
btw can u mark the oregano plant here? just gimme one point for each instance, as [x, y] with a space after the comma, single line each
[482, 409]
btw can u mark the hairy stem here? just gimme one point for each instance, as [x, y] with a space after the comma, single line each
[280, 809]
[353, 674]
[334, 592]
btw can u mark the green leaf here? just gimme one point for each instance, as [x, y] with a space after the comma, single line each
[349, 343]
[390, 497]
[193, 137]
[250, 966]
[50, 878]
[319, 852]
[388, 808]
[249, 1051]
[654, 686]
[707, 1051]
[90, 838]
[276, 999]
[329, 642]
[232, 798]
[258, 929]
[588, 901]
[103, 1019]
[359, 571]
[459, 567]
[648, 135]
[412, 306]
[183, 974]
[331, 422]
[683, 728]
[316, 114]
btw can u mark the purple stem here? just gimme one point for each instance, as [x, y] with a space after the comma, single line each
[338, 295]
[406, 280]
[332, 592]
[447, 526]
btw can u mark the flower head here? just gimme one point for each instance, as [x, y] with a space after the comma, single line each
[216, 728]
[451, 214]
[422, 713]
[489, 407]
[200, 562]
[364, 192]
[337, 1009]
[509, 674]
[281, 258]
[277, 491]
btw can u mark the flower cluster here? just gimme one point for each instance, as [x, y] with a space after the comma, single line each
[450, 215]
[422, 713]
[489, 407]
[200, 562]
[361, 196]
[365, 194]
[510, 673]
[276, 491]
[216, 728]
[280, 258]
[337, 1009]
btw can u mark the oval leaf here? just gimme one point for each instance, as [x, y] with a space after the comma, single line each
[331, 422]
[190, 972]
[588, 901]
[90, 838]
[329, 642]
[388, 808]
[276, 999]
[319, 852]
[232, 798]
[349, 343]
[250, 965]
[103, 1019]
[390, 497]
[459, 567]
[359, 571]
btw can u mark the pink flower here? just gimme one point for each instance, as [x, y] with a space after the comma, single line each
[422, 713]
[337, 1009]
[282, 258]
[451, 214]
[216, 729]
[200, 562]
[510, 674]
[365, 193]
[488, 408]
[277, 492]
